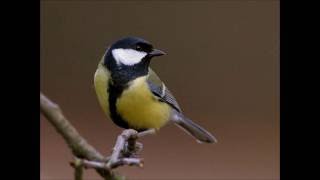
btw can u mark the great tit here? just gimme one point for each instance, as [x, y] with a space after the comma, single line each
[132, 94]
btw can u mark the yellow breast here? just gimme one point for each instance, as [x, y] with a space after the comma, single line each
[140, 108]
[101, 79]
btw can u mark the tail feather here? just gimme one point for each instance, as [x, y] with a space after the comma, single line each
[193, 129]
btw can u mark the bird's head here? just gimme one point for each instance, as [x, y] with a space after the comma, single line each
[131, 51]
[130, 57]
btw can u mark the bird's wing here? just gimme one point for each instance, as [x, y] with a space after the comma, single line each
[161, 91]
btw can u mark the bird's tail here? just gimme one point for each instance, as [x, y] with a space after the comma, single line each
[193, 129]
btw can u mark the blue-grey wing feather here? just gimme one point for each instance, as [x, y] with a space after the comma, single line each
[161, 91]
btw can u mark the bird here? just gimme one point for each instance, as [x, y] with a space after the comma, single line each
[133, 96]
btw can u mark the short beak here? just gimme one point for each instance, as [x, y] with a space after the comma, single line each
[156, 52]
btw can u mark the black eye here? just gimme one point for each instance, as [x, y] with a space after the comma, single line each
[139, 48]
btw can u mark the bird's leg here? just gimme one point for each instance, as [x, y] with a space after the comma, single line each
[133, 146]
[126, 148]
[119, 147]
[139, 146]
[147, 132]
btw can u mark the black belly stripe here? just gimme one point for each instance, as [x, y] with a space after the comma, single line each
[115, 92]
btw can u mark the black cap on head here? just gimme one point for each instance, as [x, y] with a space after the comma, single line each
[138, 44]
[132, 42]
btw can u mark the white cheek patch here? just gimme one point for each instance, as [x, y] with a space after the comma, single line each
[128, 57]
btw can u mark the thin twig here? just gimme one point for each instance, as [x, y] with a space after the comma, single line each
[78, 172]
[100, 165]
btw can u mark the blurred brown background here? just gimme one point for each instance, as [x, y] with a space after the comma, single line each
[222, 66]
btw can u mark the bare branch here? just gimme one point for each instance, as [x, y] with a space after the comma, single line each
[77, 143]
[124, 151]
